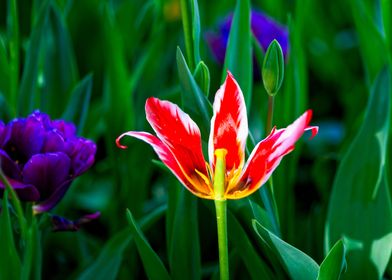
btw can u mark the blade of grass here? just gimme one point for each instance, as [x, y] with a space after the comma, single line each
[151, 261]
[238, 59]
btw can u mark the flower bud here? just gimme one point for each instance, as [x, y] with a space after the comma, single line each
[273, 68]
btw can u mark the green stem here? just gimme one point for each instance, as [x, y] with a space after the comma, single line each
[270, 116]
[221, 220]
[221, 216]
[16, 204]
[186, 23]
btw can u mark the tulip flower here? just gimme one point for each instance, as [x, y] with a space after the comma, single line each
[41, 157]
[178, 144]
[226, 175]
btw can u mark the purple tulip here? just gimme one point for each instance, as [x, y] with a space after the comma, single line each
[41, 157]
[264, 28]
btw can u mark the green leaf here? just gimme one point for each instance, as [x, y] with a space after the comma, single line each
[4, 70]
[297, 263]
[9, 258]
[240, 240]
[372, 43]
[185, 247]
[334, 263]
[60, 72]
[202, 77]
[32, 261]
[238, 59]
[191, 25]
[108, 262]
[360, 208]
[195, 102]
[28, 92]
[195, 30]
[78, 105]
[151, 261]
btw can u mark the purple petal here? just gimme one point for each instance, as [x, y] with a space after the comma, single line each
[9, 167]
[266, 30]
[25, 192]
[68, 130]
[217, 44]
[63, 224]
[47, 172]
[54, 142]
[27, 137]
[4, 134]
[82, 154]
[263, 27]
[54, 198]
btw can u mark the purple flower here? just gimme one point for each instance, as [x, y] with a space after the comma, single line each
[41, 157]
[264, 28]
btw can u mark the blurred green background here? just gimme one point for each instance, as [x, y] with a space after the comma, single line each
[96, 62]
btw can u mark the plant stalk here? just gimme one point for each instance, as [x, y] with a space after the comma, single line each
[221, 212]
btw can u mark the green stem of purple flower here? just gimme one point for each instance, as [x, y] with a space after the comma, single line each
[16, 204]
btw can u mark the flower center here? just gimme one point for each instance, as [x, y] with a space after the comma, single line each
[220, 174]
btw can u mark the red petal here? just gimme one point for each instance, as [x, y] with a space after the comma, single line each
[179, 133]
[192, 182]
[229, 125]
[267, 155]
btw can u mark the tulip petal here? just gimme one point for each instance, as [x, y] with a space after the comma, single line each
[9, 167]
[25, 192]
[47, 172]
[192, 180]
[54, 198]
[27, 137]
[267, 155]
[62, 224]
[229, 125]
[180, 135]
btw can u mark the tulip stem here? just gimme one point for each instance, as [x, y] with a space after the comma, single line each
[221, 220]
[16, 204]
[221, 215]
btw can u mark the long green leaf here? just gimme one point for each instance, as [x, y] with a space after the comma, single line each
[78, 105]
[194, 101]
[32, 261]
[60, 73]
[10, 266]
[372, 43]
[28, 86]
[241, 241]
[360, 208]
[108, 262]
[195, 30]
[14, 49]
[153, 265]
[185, 247]
[298, 264]
[334, 263]
[238, 59]
[4, 70]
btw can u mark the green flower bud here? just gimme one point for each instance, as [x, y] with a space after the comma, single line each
[273, 68]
